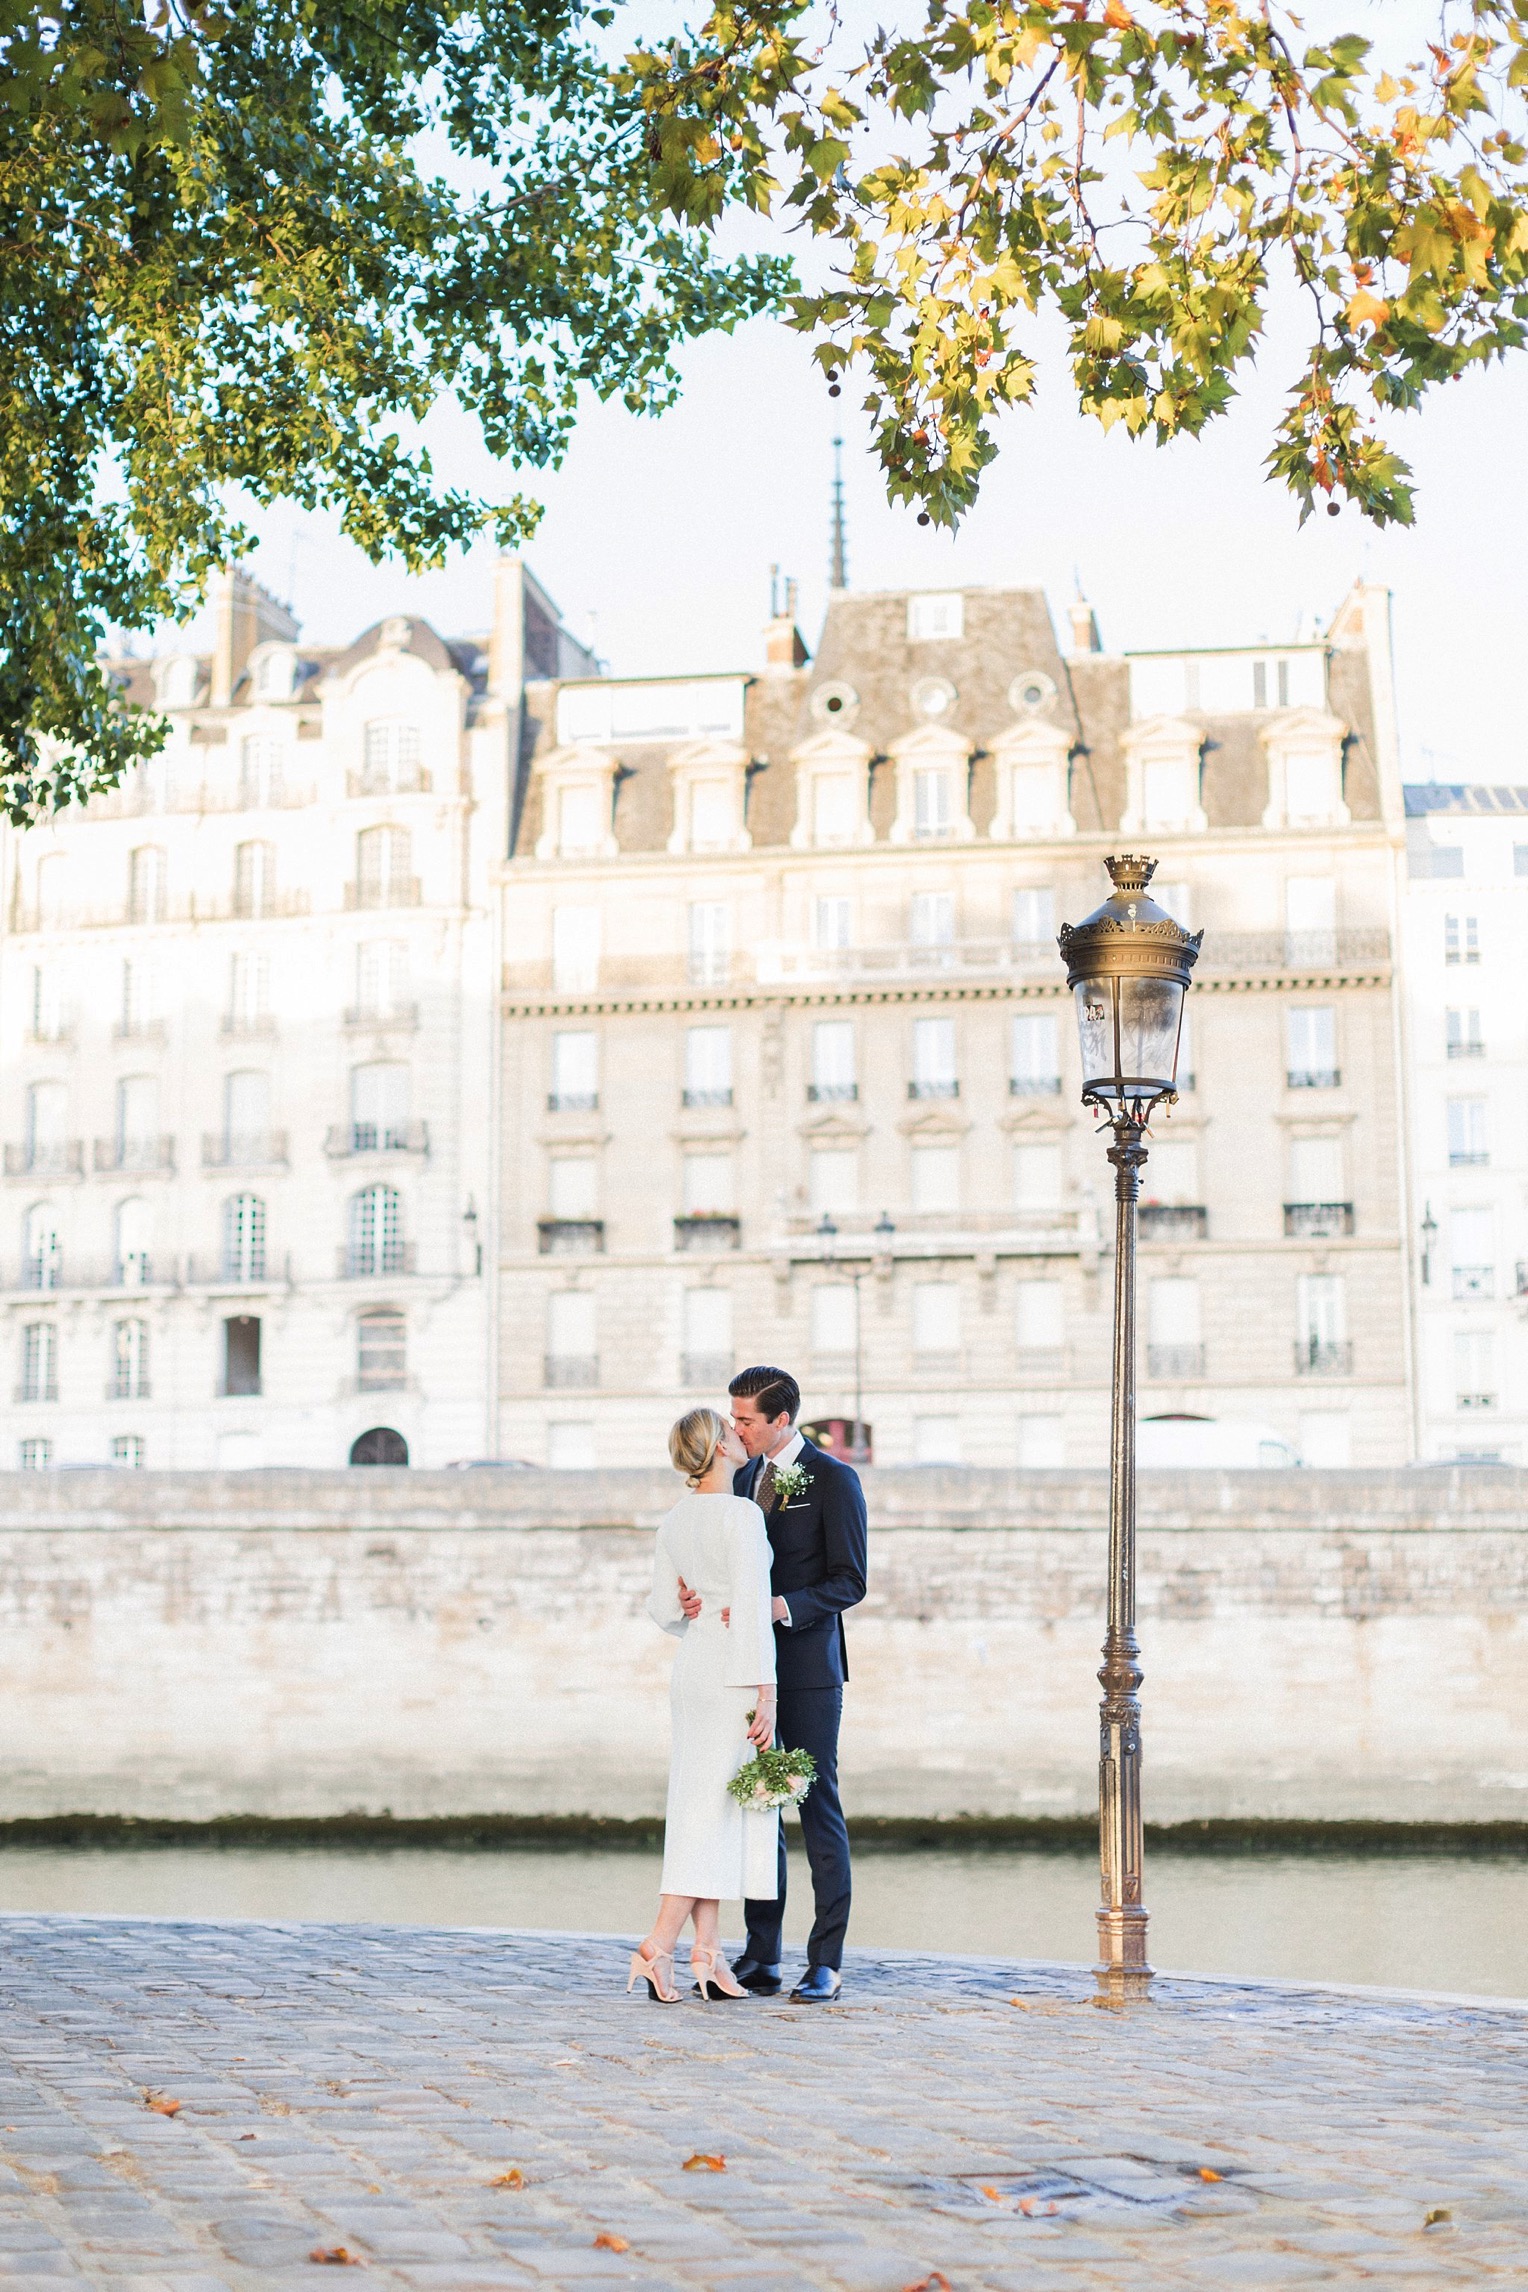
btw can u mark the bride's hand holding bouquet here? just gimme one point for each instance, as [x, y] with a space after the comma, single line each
[761, 1719]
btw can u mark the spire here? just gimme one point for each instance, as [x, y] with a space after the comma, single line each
[838, 559]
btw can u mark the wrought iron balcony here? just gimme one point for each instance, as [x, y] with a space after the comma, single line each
[1323, 1357]
[344, 1139]
[1474, 1280]
[1313, 1077]
[832, 1093]
[359, 1263]
[1174, 1361]
[402, 891]
[142, 1156]
[708, 1230]
[244, 1149]
[1034, 1086]
[707, 1097]
[46, 1158]
[364, 1017]
[570, 1237]
[572, 1101]
[564, 1372]
[1174, 1221]
[943, 1087]
[1318, 1221]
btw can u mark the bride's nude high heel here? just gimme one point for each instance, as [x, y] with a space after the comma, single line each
[660, 1986]
[704, 1965]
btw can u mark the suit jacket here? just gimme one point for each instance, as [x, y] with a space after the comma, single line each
[819, 1548]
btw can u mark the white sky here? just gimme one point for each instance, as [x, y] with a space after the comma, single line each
[665, 532]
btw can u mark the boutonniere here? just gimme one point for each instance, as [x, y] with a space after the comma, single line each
[792, 1480]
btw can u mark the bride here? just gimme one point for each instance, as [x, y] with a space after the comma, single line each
[723, 1700]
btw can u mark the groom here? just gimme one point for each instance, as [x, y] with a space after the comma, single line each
[816, 1525]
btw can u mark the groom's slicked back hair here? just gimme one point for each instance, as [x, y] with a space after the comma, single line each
[775, 1390]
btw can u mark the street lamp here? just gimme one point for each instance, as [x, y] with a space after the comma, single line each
[1128, 967]
[827, 1234]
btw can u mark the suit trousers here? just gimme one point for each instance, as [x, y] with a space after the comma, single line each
[807, 1719]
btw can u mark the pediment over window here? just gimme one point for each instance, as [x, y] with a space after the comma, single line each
[1033, 762]
[1163, 764]
[939, 1124]
[832, 793]
[933, 784]
[838, 1126]
[709, 780]
[577, 804]
[1304, 749]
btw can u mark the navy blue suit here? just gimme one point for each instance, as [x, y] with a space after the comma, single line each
[819, 1546]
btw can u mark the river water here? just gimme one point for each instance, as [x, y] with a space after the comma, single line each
[1431, 1922]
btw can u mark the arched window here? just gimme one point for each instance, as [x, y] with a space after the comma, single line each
[130, 1361]
[244, 1238]
[146, 874]
[43, 1264]
[133, 1264]
[391, 757]
[260, 777]
[380, 1446]
[382, 868]
[381, 1350]
[376, 1232]
[254, 879]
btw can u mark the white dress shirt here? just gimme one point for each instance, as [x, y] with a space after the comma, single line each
[781, 1458]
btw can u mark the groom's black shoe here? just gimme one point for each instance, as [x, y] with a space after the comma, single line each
[763, 1980]
[819, 1985]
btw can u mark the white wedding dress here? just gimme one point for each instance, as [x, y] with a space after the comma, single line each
[711, 1849]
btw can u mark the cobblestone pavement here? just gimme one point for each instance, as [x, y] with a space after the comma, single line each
[473, 2109]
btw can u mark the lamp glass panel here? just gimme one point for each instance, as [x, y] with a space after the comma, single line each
[1147, 1012]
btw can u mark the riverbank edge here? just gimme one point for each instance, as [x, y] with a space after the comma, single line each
[488, 1832]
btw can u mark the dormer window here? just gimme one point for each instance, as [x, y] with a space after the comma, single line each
[935, 619]
[577, 805]
[177, 681]
[708, 782]
[273, 672]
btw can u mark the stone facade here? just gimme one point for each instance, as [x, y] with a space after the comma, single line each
[1467, 1063]
[248, 1050]
[790, 1068]
[1320, 1646]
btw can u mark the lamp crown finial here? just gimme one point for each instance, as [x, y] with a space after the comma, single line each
[1130, 874]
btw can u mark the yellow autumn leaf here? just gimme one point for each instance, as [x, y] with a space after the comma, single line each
[1367, 309]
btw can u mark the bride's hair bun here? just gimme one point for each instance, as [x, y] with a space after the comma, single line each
[694, 1441]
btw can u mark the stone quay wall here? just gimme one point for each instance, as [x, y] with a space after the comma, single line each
[1317, 1645]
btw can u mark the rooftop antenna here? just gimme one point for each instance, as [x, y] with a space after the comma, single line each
[838, 564]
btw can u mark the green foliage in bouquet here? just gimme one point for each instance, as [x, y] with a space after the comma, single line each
[774, 1778]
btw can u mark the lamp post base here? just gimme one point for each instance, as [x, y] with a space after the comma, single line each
[1122, 1973]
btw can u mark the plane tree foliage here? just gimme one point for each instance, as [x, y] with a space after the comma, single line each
[1150, 173]
[245, 245]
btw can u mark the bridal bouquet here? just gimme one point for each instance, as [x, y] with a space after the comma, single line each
[773, 1779]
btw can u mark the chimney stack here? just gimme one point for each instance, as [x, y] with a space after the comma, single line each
[1085, 636]
[784, 645]
[243, 616]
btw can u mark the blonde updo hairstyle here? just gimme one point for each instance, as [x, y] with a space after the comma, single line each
[693, 1443]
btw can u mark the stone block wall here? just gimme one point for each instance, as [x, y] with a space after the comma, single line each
[1317, 1645]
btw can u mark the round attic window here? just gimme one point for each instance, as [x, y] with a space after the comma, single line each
[933, 696]
[1030, 692]
[835, 704]
[397, 630]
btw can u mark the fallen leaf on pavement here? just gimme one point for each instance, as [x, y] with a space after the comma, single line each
[934, 2283]
[336, 2256]
[1208, 2173]
[605, 2242]
[162, 2104]
[700, 2163]
[1439, 2217]
[513, 2179]
[995, 2194]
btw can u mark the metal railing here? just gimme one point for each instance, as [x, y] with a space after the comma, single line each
[356, 1263]
[1175, 1361]
[1034, 1086]
[343, 1139]
[54, 1158]
[244, 1149]
[572, 1101]
[408, 780]
[140, 1155]
[1318, 1221]
[1313, 1077]
[239, 1026]
[403, 891]
[566, 1372]
[832, 1093]
[1174, 1221]
[570, 1237]
[1293, 950]
[707, 1229]
[1467, 1050]
[1474, 1280]
[706, 1097]
[944, 1087]
[1323, 1357]
[362, 1015]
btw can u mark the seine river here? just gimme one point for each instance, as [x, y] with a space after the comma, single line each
[1430, 1922]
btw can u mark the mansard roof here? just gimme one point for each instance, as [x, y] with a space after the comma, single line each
[1426, 796]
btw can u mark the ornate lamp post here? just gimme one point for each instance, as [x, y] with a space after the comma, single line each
[1128, 967]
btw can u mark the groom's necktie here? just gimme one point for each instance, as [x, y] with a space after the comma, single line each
[764, 1493]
